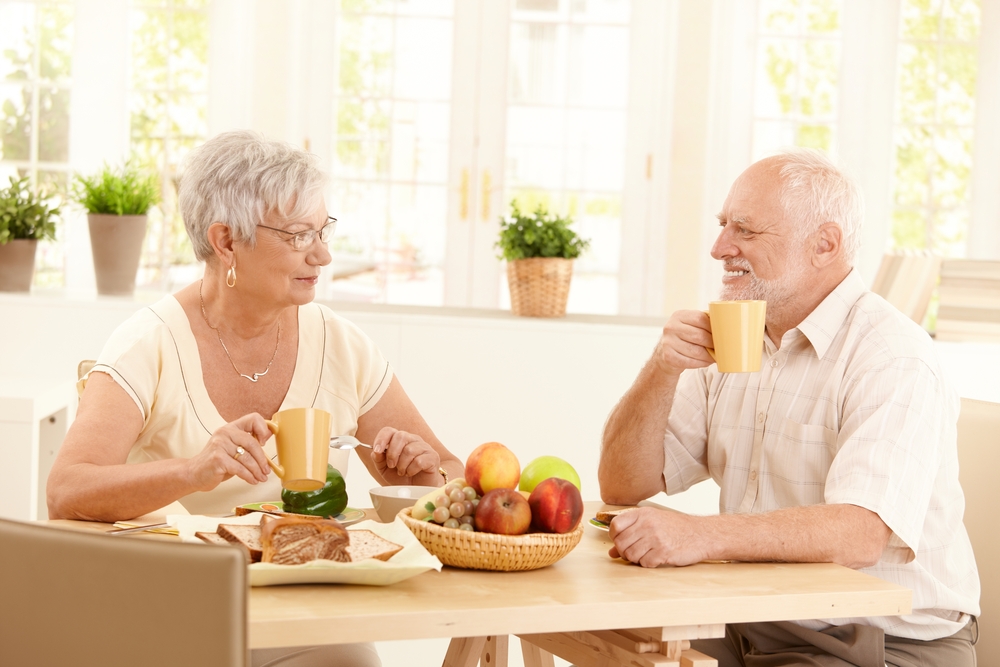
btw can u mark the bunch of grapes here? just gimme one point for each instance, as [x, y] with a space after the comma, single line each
[455, 506]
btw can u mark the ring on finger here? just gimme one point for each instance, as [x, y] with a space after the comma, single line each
[239, 452]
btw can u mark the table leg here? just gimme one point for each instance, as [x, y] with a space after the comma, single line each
[494, 651]
[464, 652]
[535, 656]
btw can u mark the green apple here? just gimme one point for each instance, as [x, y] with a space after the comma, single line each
[544, 467]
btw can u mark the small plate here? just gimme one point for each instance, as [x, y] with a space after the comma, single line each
[598, 525]
[347, 517]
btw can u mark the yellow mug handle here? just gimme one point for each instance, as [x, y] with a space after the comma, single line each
[276, 467]
[711, 350]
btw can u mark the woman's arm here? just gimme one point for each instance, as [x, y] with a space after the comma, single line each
[90, 479]
[405, 449]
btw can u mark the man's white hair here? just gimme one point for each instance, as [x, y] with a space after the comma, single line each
[814, 191]
[240, 179]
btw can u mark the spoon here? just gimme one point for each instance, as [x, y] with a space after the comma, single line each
[342, 442]
[346, 442]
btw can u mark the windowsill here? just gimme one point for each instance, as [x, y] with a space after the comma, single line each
[85, 298]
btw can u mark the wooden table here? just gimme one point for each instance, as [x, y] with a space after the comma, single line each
[570, 608]
[584, 591]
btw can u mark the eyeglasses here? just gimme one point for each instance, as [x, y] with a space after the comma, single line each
[302, 240]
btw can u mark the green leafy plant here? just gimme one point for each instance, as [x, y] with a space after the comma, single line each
[128, 190]
[25, 213]
[538, 234]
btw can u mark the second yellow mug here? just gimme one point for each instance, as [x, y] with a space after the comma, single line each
[737, 334]
[303, 441]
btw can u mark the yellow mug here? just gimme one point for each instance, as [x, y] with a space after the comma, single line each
[302, 436]
[737, 335]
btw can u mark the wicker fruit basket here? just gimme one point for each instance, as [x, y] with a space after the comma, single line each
[539, 286]
[486, 551]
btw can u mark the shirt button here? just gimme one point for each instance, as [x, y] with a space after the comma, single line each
[760, 417]
[753, 475]
[774, 363]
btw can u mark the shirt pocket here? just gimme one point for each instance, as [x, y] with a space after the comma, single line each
[797, 460]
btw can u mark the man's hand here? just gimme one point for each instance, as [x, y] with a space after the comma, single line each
[652, 537]
[683, 342]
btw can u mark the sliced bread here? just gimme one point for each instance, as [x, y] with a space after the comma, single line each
[294, 540]
[213, 538]
[607, 515]
[247, 536]
[366, 544]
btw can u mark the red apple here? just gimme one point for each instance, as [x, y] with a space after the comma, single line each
[492, 466]
[556, 506]
[503, 511]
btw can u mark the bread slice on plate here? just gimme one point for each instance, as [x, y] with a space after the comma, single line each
[606, 516]
[293, 541]
[366, 544]
[213, 538]
[247, 536]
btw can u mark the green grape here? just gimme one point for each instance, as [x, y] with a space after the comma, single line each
[442, 501]
[441, 514]
[466, 526]
[452, 523]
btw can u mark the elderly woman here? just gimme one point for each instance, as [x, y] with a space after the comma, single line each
[174, 409]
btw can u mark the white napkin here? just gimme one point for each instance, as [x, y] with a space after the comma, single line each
[189, 524]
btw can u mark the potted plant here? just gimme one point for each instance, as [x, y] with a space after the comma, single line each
[539, 248]
[117, 201]
[26, 217]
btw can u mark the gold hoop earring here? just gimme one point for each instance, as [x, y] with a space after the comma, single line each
[231, 277]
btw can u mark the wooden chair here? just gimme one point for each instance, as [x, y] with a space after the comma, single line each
[969, 306]
[81, 371]
[906, 279]
[979, 459]
[79, 597]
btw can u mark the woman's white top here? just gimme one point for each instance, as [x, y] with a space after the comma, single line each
[154, 357]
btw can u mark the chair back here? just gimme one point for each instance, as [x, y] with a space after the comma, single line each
[79, 597]
[969, 301]
[906, 279]
[978, 461]
[81, 374]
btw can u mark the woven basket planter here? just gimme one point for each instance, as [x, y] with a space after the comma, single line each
[539, 286]
[486, 551]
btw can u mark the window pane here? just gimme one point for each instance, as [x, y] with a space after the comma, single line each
[15, 122]
[935, 114]
[960, 20]
[168, 103]
[797, 75]
[390, 166]
[566, 116]
[17, 34]
[917, 93]
[957, 84]
[53, 124]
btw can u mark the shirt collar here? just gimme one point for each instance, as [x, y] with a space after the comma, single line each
[823, 323]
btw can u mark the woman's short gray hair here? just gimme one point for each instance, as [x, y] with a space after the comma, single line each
[240, 179]
[814, 190]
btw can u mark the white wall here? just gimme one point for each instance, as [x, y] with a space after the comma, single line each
[538, 386]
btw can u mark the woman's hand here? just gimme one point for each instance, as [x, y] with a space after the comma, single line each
[400, 454]
[234, 449]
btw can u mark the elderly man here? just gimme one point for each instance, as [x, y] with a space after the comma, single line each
[841, 449]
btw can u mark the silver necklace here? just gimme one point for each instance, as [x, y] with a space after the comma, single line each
[256, 376]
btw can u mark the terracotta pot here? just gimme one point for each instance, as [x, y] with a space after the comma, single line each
[116, 244]
[539, 286]
[17, 265]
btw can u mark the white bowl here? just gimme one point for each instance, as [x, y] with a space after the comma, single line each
[388, 500]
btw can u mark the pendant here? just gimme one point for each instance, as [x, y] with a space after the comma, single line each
[256, 376]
